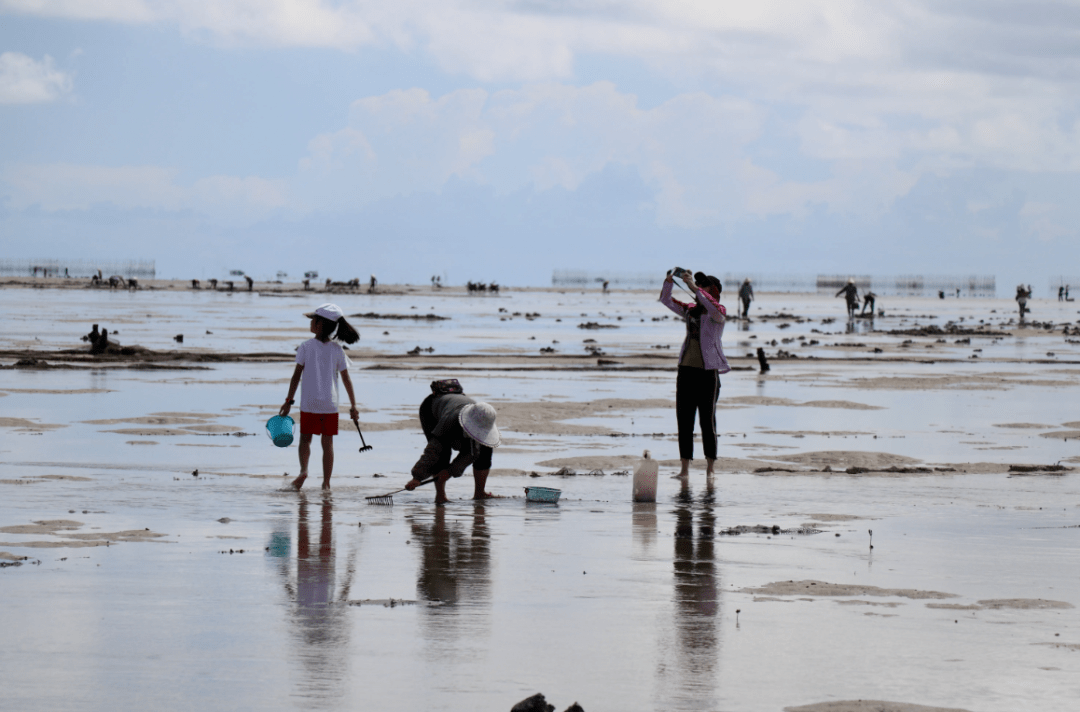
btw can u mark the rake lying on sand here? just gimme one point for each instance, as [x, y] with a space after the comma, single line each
[388, 498]
[366, 446]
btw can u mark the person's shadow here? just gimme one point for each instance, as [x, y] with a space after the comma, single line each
[318, 616]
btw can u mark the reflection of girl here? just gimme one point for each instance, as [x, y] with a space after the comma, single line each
[701, 361]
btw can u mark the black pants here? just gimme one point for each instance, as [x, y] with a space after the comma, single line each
[696, 392]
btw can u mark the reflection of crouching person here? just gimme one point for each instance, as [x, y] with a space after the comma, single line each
[453, 421]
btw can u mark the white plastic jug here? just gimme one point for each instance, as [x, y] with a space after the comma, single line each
[645, 479]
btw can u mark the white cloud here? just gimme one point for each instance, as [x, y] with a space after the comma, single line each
[24, 80]
[56, 187]
[691, 150]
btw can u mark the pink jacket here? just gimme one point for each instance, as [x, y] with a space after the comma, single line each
[712, 328]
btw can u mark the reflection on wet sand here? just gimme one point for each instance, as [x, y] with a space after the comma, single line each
[319, 625]
[644, 530]
[692, 671]
[455, 569]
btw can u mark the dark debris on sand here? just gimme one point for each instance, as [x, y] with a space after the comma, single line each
[537, 703]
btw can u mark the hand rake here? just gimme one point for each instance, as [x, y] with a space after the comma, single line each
[388, 498]
[366, 446]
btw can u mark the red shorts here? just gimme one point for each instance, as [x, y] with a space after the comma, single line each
[318, 423]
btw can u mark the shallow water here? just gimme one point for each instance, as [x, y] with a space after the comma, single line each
[613, 604]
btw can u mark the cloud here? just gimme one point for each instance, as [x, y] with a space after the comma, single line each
[542, 136]
[24, 80]
[67, 187]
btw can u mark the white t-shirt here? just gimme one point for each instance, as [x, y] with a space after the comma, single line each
[319, 384]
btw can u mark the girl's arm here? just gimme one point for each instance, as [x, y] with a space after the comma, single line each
[293, 385]
[346, 381]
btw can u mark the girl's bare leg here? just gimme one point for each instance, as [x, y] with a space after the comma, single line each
[305, 455]
[327, 460]
[709, 466]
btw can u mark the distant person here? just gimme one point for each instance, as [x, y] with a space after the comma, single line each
[941, 294]
[93, 336]
[958, 292]
[746, 295]
[701, 361]
[851, 294]
[1061, 293]
[372, 284]
[869, 301]
[453, 421]
[606, 283]
[101, 345]
[1022, 296]
[250, 282]
[318, 363]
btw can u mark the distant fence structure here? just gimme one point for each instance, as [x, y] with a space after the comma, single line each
[911, 285]
[49, 267]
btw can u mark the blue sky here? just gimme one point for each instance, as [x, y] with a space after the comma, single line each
[504, 140]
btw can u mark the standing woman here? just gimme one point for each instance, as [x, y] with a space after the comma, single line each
[319, 362]
[701, 361]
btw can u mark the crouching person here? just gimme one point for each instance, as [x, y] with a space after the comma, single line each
[453, 421]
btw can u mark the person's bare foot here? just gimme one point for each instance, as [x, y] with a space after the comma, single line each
[326, 484]
[486, 495]
[710, 466]
[299, 482]
[442, 500]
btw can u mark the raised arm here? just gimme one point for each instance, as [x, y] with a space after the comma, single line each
[665, 297]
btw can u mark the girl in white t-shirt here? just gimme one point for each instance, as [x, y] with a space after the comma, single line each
[318, 363]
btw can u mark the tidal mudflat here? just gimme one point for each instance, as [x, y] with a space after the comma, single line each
[130, 582]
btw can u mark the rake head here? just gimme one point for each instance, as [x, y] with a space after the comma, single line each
[364, 444]
[387, 499]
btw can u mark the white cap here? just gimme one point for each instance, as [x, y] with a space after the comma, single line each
[478, 422]
[327, 311]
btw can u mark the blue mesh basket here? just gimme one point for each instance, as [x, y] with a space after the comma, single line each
[542, 494]
[281, 429]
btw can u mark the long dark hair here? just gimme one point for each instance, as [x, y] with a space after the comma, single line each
[344, 331]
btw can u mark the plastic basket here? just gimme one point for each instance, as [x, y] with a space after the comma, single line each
[281, 429]
[542, 494]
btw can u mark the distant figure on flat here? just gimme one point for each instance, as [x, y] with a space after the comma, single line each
[1022, 295]
[1061, 293]
[851, 294]
[746, 295]
[372, 284]
[868, 302]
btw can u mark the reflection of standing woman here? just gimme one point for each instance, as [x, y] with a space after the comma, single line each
[701, 361]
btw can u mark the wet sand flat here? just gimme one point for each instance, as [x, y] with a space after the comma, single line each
[149, 557]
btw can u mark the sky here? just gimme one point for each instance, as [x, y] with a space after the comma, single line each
[500, 140]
